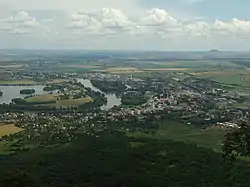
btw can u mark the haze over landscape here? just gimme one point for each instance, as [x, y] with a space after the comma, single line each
[124, 93]
[125, 24]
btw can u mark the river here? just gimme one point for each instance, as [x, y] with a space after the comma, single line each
[112, 99]
[11, 92]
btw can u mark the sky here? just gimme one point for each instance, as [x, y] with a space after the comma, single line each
[168, 25]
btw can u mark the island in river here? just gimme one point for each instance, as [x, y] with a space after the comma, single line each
[27, 91]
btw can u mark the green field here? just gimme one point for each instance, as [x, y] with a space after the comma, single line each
[199, 65]
[235, 77]
[59, 103]
[43, 98]
[5, 148]
[7, 130]
[19, 82]
[154, 66]
[71, 102]
[184, 133]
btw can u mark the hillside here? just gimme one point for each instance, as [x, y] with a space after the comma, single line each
[115, 160]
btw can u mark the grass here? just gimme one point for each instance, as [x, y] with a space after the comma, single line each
[5, 148]
[59, 103]
[84, 66]
[20, 82]
[71, 102]
[186, 133]
[11, 66]
[120, 70]
[200, 64]
[167, 69]
[240, 77]
[229, 79]
[43, 98]
[56, 81]
[9, 129]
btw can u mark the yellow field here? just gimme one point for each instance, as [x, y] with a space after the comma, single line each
[57, 81]
[9, 129]
[167, 69]
[18, 82]
[11, 66]
[125, 72]
[72, 102]
[120, 70]
[214, 73]
[43, 98]
[83, 66]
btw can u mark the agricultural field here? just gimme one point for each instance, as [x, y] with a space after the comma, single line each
[19, 82]
[186, 133]
[238, 77]
[166, 69]
[9, 129]
[120, 70]
[83, 66]
[200, 65]
[71, 102]
[174, 66]
[59, 103]
[11, 66]
[56, 81]
[43, 98]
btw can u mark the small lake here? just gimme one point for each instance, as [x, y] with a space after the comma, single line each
[111, 98]
[11, 92]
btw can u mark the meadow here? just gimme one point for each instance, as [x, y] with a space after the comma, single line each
[176, 131]
[7, 129]
[18, 82]
[58, 103]
[43, 98]
[71, 102]
[179, 132]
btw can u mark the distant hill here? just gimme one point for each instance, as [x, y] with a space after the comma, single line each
[214, 50]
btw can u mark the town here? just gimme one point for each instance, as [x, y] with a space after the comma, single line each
[70, 107]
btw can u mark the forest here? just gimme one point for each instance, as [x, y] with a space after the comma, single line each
[115, 160]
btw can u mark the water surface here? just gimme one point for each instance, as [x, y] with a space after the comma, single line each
[11, 92]
[112, 99]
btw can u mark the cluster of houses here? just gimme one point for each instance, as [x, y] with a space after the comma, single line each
[190, 99]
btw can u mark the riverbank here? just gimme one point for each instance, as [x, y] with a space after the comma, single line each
[112, 99]
[11, 91]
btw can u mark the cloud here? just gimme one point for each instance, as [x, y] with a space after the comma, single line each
[48, 20]
[69, 5]
[158, 17]
[22, 19]
[195, 1]
[21, 23]
[110, 23]
[235, 27]
[18, 32]
[104, 25]
[104, 21]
